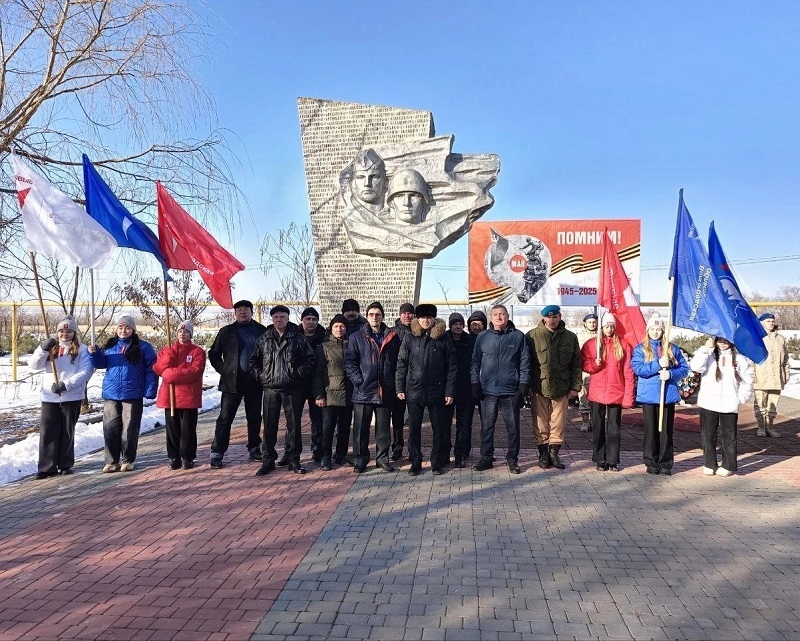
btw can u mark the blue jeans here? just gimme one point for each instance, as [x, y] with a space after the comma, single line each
[490, 407]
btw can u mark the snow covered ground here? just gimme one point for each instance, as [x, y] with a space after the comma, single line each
[18, 459]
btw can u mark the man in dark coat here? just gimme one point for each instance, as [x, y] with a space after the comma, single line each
[370, 363]
[426, 377]
[351, 310]
[500, 376]
[402, 326]
[315, 334]
[282, 361]
[464, 405]
[230, 355]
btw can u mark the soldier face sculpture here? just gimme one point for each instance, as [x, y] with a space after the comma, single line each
[369, 177]
[408, 196]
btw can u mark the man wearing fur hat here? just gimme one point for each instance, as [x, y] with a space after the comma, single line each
[463, 406]
[314, 333]
[282, 362]
[771, 377]
[585, 333]
[229, 355]
[370, 363]
[402, 326]
[555, 378]
[426, 377]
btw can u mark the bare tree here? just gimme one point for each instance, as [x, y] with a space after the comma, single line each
[788, 315]
[188, 299]
[290, 256]
[112, 79]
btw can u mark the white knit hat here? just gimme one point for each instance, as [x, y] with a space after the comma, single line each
[68, 323]
[127, 320]
[655, 321]
[608, 319]
[187, 326]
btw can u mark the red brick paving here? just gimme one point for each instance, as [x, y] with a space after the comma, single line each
[165, 555]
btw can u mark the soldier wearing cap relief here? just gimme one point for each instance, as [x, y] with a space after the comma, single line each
[283, 361]
[771, 377]
[229, 355]
[555, 379]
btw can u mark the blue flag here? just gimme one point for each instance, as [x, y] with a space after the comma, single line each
[106, 209]
[698, 300]
[749, 335]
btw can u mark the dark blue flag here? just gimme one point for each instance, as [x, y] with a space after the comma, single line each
[698, 300]
[749, 335]
[106, 209]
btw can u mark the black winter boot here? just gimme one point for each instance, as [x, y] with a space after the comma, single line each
[544, 457]
[554, 460]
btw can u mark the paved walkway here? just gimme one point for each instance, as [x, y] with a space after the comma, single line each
[202, 554]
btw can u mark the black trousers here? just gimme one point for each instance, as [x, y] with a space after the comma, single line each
[229, 405]
[362, 420]
[398, 418]
[336, 419]
[658, 450]
[122, 421]
[713, 424]
[57, 436]
[292, 403]
[464, 411]
[440, 451]
[491, 406]
[181, 429]
[605, 432]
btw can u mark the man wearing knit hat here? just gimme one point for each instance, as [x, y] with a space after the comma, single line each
[229, 355]
[402, 326]
[555, 378]
[370, 364]
[282, 361]
[464, 406]
[771, 377]
[584, 334]
[314, 333]
[351, 310]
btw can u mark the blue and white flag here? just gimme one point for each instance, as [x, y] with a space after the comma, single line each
[698, 300]
[748, 335]
[106, 209]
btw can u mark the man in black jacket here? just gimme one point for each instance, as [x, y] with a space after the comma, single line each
[230, 355]
[315, 334]
[402, 326]
[283, 361]
[370, 363]
[464, 405]
[426, 377]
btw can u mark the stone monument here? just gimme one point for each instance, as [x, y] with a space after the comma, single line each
[384, 194]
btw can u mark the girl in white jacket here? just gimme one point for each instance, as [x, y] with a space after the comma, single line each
[61, 402]
[726, 382]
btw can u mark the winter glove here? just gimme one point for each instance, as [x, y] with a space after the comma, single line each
[58, 388]
[477, 392]
[49, 344]
[663, 362]
[663, 374]
[522, 392]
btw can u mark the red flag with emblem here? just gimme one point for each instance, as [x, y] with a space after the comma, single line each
[616, 295]
[187, 245]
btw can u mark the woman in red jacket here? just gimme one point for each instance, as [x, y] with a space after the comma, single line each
[181, 367]
[611, 388]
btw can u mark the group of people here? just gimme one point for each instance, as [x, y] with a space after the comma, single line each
[362, 372]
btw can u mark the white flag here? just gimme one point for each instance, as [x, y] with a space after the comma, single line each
[56, 226]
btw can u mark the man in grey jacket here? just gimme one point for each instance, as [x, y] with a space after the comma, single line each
[500, 377]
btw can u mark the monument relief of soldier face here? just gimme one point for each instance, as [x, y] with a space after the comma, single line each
[369, 177]
[407, 196]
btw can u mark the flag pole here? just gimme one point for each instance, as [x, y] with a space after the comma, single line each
[92, 333]
[169, 342]
[665, 342]
[41, 309]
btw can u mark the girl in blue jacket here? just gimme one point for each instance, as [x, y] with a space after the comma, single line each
[653, 363]
[129, 379]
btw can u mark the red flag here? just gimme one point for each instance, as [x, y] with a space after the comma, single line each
[186, 245]
[616, 295]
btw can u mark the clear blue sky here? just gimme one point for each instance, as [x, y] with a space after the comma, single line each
[596, 109]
